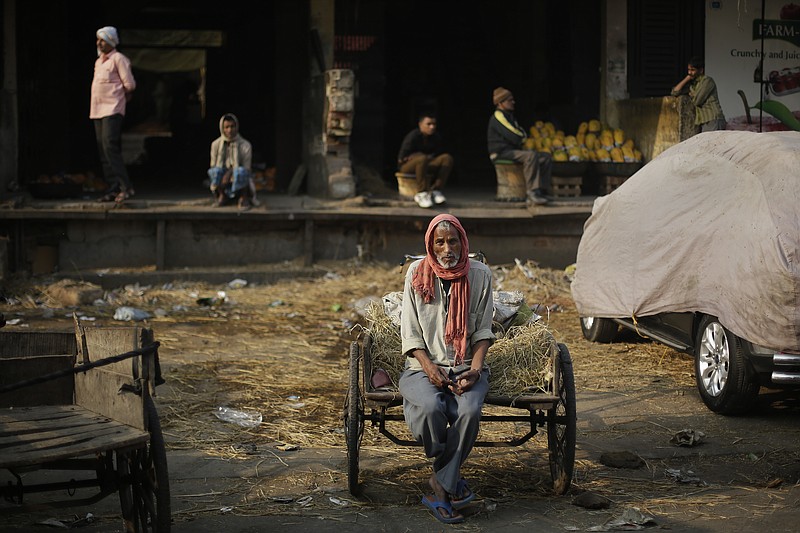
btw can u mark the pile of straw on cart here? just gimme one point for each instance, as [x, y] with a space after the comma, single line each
[520, 359]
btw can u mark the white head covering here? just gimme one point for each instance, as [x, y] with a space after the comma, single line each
[109, 35]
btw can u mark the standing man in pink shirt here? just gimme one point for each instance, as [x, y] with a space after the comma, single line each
[112, 87]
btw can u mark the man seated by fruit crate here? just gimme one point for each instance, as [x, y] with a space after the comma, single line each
[505, 138]
[422, 154]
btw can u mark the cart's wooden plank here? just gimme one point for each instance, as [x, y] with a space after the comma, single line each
[98, 389]
[390, 398]
[526, 401]
[41, 412]
[49, 418]
[24, 444]
[383, 396]
[53, 392]
[18, 431]
[112, 436]
[30, 343]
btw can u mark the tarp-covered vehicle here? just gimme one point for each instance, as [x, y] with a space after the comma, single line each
[699, 250]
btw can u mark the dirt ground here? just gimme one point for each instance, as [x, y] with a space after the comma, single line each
[281, 351]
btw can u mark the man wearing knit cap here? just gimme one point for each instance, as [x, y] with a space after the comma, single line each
[505, 138]
[446, 331]
[112, 86]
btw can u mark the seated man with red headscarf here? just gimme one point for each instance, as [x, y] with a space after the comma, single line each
[446, 330]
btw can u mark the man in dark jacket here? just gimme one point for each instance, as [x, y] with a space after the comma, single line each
[505, 138]
[422, 154]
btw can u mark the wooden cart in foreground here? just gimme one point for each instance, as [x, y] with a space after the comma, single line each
[82, 403]
[552, 410]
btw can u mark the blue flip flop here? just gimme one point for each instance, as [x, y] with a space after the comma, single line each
[435, 506]
[464, 491]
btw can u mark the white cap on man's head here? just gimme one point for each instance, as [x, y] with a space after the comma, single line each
[109, 35]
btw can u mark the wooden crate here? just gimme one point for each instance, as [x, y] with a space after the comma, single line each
[566, 187]
[609, 184]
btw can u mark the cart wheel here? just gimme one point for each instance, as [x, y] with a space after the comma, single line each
[561, 428]
[353, 421]
[144, 481]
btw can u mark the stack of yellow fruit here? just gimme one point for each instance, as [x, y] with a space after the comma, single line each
[592, 142]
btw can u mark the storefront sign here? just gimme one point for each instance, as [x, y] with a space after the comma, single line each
[738, 39]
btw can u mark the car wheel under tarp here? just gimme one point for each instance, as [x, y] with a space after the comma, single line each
[598, 329]
[726, 382]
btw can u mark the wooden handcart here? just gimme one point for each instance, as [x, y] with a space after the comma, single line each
[553, 411]
[82, 403]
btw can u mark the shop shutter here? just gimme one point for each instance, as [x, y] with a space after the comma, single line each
[662, 36]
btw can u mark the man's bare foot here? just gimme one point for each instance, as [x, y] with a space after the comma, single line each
[441, 495]
[438, 490]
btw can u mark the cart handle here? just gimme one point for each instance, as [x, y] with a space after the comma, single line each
[151, 348]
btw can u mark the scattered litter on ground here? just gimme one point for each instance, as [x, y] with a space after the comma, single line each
[631, 519]
[242, 418]
[336, 501]
[683, 476]
[688, 437]
[130, 313]
[237, 283]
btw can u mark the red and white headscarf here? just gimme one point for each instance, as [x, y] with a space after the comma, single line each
[455, 332]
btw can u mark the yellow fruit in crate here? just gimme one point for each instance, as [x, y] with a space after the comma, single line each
[551, 128]
[591, 141]
[539, 143]
[627, 153]
[560, 133]
[637, 156]
[628, 143]
[595, 126]
[539, 124]
[616, 155]
[603, 155]
[570, 141]
[583, 127]
[545, 149]
[580, 138]
[535, 133]
[574, 154]
[547, 142]
[586, 154]
[619, 137]
[560, 155]
[530, 143]
[558, 142]
[607, 139]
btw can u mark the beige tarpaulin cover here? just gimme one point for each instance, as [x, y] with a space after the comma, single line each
[710, 225]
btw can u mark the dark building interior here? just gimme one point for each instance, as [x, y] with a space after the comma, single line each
[409, 56]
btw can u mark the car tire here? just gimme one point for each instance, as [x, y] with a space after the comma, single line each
[725, 380]
[598, 329]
